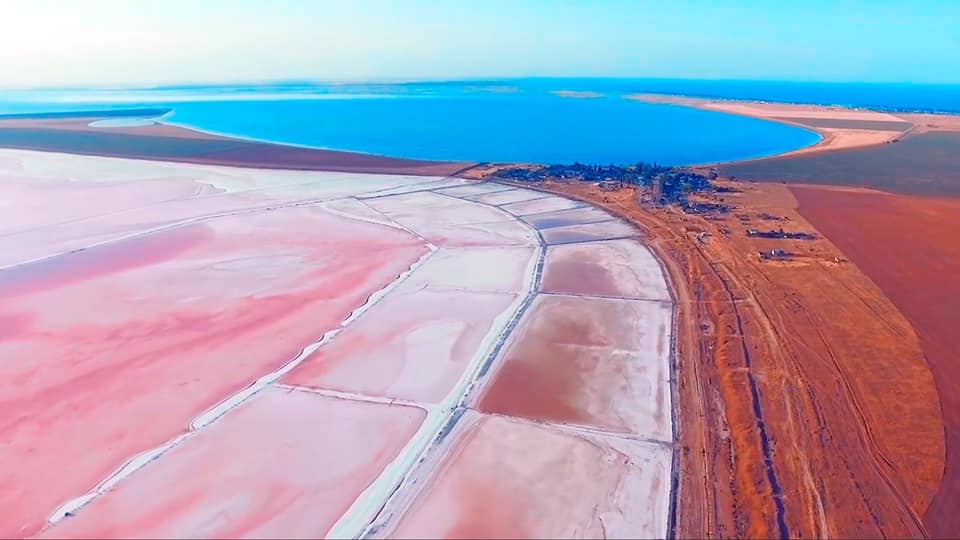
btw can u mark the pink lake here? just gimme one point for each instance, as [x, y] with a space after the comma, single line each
[285, 464]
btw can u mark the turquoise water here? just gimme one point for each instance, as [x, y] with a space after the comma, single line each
[540, 129]
[510, 120]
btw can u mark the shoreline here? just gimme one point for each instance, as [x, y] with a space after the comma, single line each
[804, 116]
[72, 133]
[164, 121]
[680, 253]
[407, 231]
[907, 153]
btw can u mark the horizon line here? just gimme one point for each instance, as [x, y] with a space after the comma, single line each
[414, 80]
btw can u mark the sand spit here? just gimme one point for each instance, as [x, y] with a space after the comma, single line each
[599, 363]
[234, 306]
[911, 153]
[840, 128]
[158, 141]
[576, 94]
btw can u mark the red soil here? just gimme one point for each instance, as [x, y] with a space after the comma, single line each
[802, 391]
[909, 246]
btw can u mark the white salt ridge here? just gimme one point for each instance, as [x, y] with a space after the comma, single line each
[558, 483]
[422, 185]
[403, 469]
[484, 269]
[128, 468]
[573, 216]
[538, 206]
[604, 230]
[60, 166]
[226, 405]
[506, 197]
[356, 396]
[427, 207]
[475, 188]
[507, 233]
[399, 202]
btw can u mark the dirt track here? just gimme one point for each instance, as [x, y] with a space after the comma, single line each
[803, 391]
[909, 247]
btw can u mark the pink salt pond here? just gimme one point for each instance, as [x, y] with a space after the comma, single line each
[539, 205]
[574, 216]
[414, 345]
[162, 328]
[509, 478]
[589, 232]
[197, 351]
[592, 362]
[475, 269]
[619, 268]
[509, 196]
[285, 464]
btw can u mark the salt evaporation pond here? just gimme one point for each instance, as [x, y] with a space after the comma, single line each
[322, 354]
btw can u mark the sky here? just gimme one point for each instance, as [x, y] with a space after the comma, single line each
[147, 42]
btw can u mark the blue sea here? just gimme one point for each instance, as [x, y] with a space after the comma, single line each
[525, 120]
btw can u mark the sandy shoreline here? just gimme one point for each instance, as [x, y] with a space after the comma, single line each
[167, 142]
[913, 153]
[840, 128]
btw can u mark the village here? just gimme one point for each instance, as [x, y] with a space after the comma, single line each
[668, 184]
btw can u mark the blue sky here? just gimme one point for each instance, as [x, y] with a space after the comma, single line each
[147, 42]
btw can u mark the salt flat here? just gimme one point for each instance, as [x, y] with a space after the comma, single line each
[544, 204]
[169, 330]
[508, 478]
[621, 268]
[593, 362]
[604, 230]
[286, 482]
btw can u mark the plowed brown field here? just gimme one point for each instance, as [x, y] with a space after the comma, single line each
[910, 247]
